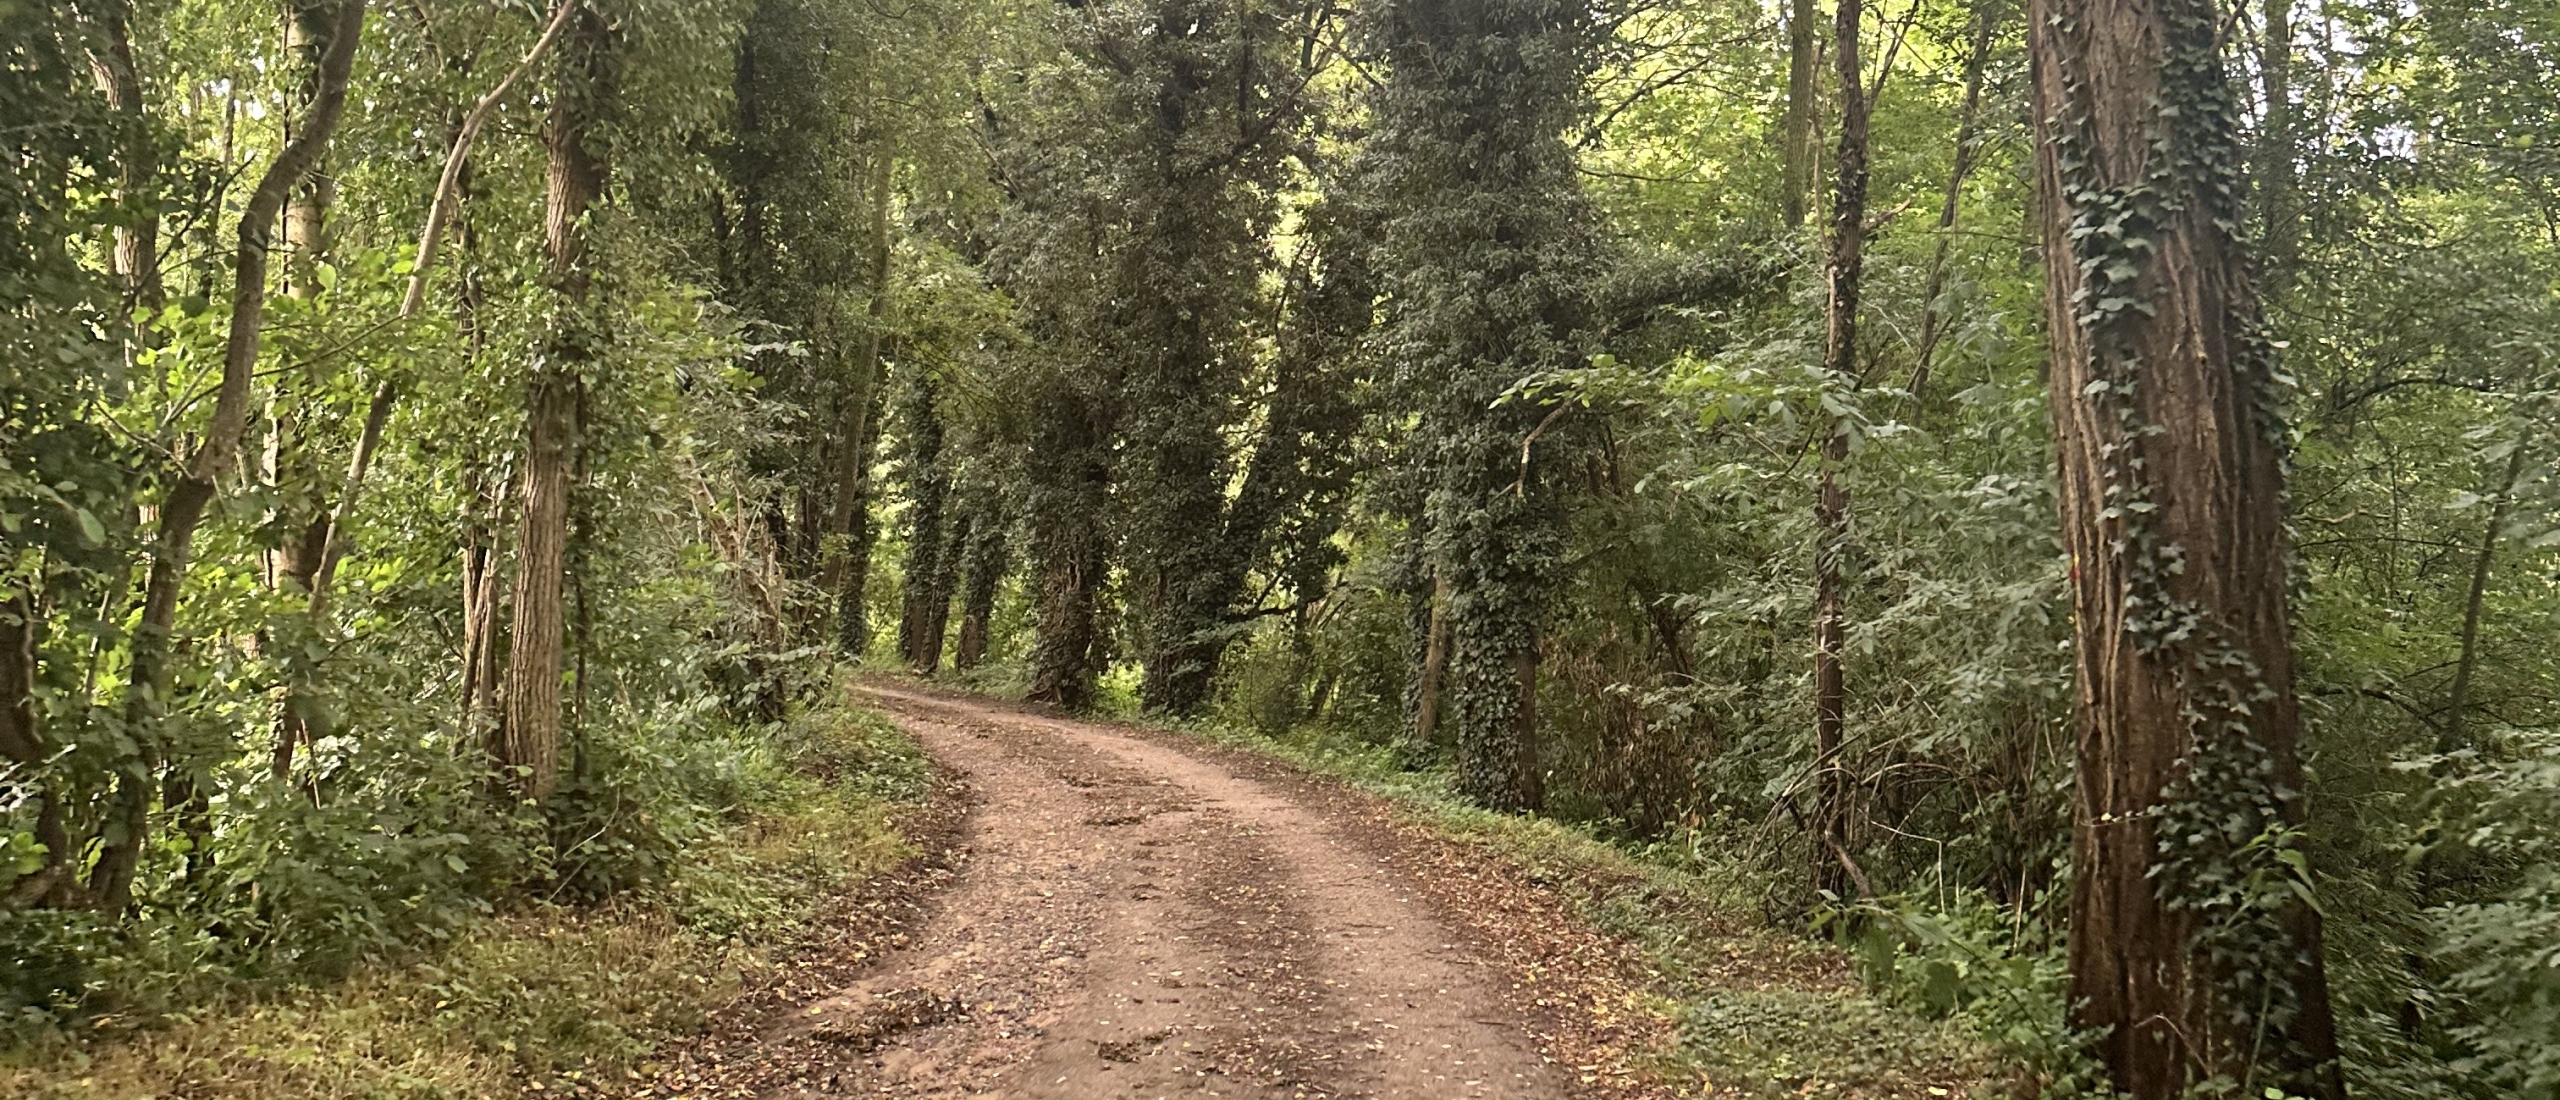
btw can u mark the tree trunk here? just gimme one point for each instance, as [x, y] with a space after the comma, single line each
[1066, 659]
[1298, 469]
[442, 207]
[1528, 774]
[1933, 320]
[1803, 86]
[25, 750]
[1435, 664]
[137, 241]
[2276, 207]
[289, 457]
[1486, 222]
[311, 559]
[2172, 481]
[146, 700]
[1831, 507]
[1830, 682]
[1067, 536]
[933, 619]
[852, 513]
[927, 604]
[480, 650]
[985, 570]
[2454, 737]
[306, 213]
[527, 743]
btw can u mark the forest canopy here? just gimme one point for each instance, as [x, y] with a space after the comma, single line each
[2056, 495]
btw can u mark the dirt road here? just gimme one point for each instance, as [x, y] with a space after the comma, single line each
[1135, 919]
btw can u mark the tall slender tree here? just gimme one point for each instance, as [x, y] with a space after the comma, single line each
[214, 457]
[585, 101]
[1205, 94]
[1844, 274]
[858, 403]
[1804, 93]
[2193, 945]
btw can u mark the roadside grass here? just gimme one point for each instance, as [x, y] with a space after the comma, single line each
[550, 999]
[1758, 1011]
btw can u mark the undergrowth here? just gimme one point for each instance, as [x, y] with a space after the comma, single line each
[547, 995]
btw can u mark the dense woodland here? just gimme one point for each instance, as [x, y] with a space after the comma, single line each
[2059, 498]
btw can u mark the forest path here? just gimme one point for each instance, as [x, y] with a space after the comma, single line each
[1132, 919]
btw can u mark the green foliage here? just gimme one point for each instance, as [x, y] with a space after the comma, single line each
[1485, 252]
[1962, 957]
[545, 992]
[1225, 332]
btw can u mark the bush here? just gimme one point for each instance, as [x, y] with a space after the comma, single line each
[1971, 960]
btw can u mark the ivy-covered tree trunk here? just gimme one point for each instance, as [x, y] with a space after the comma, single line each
[526, 745]
[983, 567]
[927, 609]
[1068, 488]
[1203, 124]
[1298, 479]
[2193, 945]
[1485, 235]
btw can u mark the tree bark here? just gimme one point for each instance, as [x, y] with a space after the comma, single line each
[2171, 483]
[481, 668]
[311, 560]
[441, 208]
[183, 511]
[1845, 269]
[1529, 773]
[288, 459]
[527, 742]
[306, 213]
[1298, 472]
[1803, 86]
[137, 235]
[25, 750]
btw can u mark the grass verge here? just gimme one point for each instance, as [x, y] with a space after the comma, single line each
[547, 1000]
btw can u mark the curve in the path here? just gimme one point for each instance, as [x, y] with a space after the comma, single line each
[1136, 921]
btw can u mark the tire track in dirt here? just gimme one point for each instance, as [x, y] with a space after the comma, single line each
[1133, 920]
